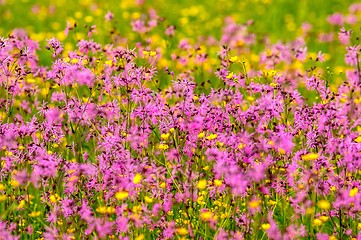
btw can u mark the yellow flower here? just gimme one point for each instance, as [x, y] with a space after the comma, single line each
[217, 182]
[162, 146]
[212, 136]
[353, 192]
[269, 73]
[2, 187]
[54, 198]
[110, 210]
[359, 226]
[324, 204]
[230, 75]
[88, 19]
[358, 139]
[309, 211]
[140, 237]
[74, 60]
[148, 199]
[201, 135]
[101, 209]
[73, 178]
[206, 216]
[317, 222]
[200, 199]
[137, 209]
[241, 145]
[309, 156]
[202, 184]
[121, 195]
[14, 183]
[233, 59]
[8, 153]
[250, 98]
[281, 151]
[21, 204]
[29, 198]
[254, 204]
[182, 231]
[206, 168]
[34, 214]
[137, 178]
[265, 226]
[165, 136]
[273, 84]
[323, 218]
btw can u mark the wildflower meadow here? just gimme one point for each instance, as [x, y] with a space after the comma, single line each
[156, 119]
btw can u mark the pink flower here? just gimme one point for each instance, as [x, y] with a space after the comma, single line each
[320, 57]
[170, 31]
[301, 54]
[344, 36]
[336, 19]
[351, 57]
[109, 16]
[139, 26]
[55, 45]
[325, 37]
[69, 27]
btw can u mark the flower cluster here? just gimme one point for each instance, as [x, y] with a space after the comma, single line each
[136, 143]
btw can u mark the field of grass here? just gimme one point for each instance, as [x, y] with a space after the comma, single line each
[180, 119]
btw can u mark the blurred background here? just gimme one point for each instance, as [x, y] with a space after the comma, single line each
[279, 19]
[163, 25]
